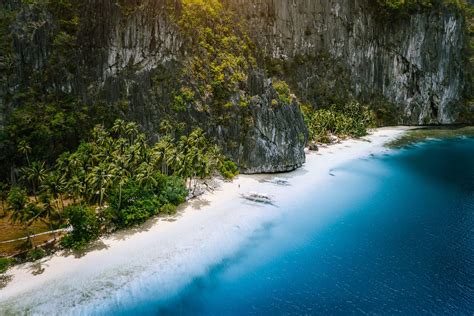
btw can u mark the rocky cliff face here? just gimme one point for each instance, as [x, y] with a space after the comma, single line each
[129, 55]
[414, 61]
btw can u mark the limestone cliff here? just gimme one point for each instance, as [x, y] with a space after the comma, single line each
[130, 57]
[414, 61]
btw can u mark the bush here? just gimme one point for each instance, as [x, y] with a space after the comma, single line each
[86, 227]
[283, 91]
[134, 204]
[348, 120]
[400, 6]
[169, 209]
[174, 191]
[17, 199]
[5, 263]
[394, 6]
[135, 214]
[36, 254]
[228, 169]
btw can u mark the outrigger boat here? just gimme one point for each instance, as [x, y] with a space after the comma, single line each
[258, 197]
[278, 181]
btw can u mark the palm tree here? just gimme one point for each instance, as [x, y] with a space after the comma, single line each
[212, 160]
[177, 161]
[100, 179]
[119, 127]
[102, 143]
[76, 187]
[48, 214]
[166, 128]
[162, 151]
[54, 185]
[192, 149]
[120, 175]
[146, 175]
[21, 212]
[25, 148]
[131, 130]
[35, 175]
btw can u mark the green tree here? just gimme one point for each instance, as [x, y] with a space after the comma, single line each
[35, 174]
[146, 176]
[54, 185]
[25, 149]
[162, 152]
[17, 199]
[100, 179]
[22, 212]
[48, 212]
[85, 224]
[120, 174]
[75, 187]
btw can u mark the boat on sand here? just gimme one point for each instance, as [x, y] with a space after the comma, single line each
[258, 197]
[279, 181]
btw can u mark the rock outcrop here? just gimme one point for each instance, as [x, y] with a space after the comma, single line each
[275, 137]
[414, 61]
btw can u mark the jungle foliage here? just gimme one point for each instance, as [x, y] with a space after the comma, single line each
[222, 54]
[349, 120]
[395, 6]
[115, 179]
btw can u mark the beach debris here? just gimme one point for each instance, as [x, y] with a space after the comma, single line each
[313, 146]
[258, 197]
[279, 181]
[4, 280]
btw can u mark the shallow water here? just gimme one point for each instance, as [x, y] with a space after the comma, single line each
[393, 234]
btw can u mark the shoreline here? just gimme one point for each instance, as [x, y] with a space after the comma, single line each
[171, 252]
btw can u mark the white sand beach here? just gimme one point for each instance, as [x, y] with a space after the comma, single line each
[169, 253]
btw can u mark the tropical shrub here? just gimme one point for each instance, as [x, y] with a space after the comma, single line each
[133, 204]
[169, 209]
[174, 191]
[349, 120]
[228, 169]
[17, 199]
[137, 213]
[36, 254]
[404, 4]
[5, 263]
[396, 6]
[85, 224]
[283, 91]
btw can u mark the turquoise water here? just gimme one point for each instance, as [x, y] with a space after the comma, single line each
[391, 234]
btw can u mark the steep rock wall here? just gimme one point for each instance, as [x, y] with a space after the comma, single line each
[128, 55]
[414, 61]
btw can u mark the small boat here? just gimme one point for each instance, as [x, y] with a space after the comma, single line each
[258, 197]
[279, 181]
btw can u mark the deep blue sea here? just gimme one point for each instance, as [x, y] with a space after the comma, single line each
[390, 234]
